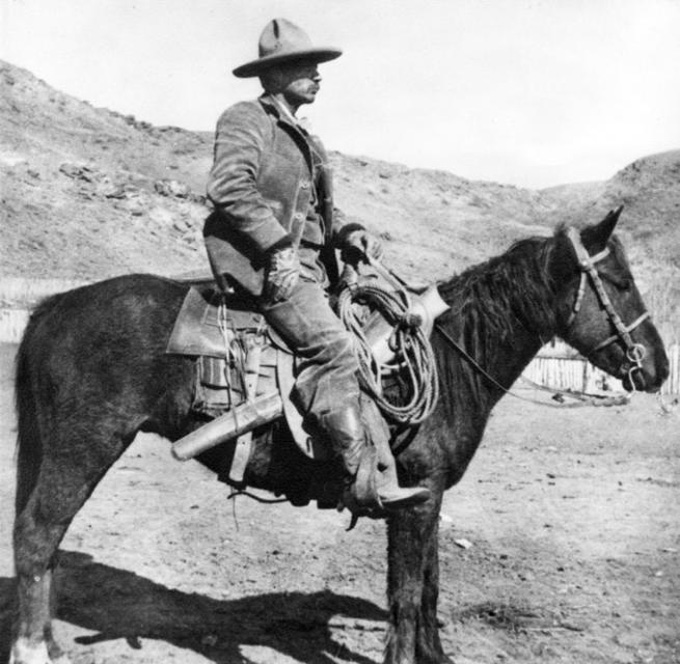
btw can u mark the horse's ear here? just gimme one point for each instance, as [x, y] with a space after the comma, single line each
[595, 237]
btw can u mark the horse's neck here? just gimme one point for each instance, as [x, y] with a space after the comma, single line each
[504, 363]
[504, 321]
[514, 359]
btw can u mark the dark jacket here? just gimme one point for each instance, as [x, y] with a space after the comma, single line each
[260, 186]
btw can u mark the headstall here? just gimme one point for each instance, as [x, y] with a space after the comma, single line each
[635, 353]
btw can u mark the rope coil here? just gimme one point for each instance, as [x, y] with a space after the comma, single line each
[414, 367]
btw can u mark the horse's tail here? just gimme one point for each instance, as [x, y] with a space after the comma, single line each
[29, 452]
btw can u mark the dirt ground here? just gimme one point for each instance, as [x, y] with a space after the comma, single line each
[571, 517]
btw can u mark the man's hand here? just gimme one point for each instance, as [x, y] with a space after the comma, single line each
[360, 244]
[283, 272]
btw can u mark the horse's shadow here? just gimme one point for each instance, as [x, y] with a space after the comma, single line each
[118, 604]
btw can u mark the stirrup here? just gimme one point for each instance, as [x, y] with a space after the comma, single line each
[364, 498]
[361, 496]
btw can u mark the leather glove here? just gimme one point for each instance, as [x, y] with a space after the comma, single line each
[359, 244]
[282, 274]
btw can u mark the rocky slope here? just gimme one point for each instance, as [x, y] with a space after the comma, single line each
[89, 193]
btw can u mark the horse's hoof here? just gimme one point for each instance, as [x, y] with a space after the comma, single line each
[24, 652]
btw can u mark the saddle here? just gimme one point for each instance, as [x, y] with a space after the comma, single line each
[240, 360]
[245, 373]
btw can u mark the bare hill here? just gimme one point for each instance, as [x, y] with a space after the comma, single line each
[88, 193]
[649, 190]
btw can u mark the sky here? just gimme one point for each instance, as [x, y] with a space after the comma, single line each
[533, 93]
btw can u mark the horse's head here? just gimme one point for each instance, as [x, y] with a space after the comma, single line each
[602, 314]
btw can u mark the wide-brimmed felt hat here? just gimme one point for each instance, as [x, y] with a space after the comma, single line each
[282, 41]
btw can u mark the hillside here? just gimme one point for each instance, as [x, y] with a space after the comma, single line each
[89, 193]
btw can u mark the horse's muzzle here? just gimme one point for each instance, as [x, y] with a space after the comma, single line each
[648, 375]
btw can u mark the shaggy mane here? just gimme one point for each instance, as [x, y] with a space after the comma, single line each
[514, 287]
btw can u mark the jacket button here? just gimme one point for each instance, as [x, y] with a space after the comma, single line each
[304, 184]
[298, 216]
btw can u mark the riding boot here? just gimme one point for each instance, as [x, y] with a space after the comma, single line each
[365, 486]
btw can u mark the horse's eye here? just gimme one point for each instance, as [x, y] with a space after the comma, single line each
[621, 282]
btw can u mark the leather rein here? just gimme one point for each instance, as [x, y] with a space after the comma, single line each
[635, 353]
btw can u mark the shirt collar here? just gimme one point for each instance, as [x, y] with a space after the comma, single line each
[284, 113]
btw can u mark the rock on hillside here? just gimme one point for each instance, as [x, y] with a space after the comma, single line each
[41, 122]
[89, 193]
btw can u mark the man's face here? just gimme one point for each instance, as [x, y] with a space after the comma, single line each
[299, 83]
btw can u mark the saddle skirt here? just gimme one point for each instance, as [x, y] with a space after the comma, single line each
[197, 330]
[238, 358]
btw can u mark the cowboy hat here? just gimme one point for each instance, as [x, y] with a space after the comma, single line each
[283, 41]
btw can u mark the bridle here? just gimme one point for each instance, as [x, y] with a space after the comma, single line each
[635, 353]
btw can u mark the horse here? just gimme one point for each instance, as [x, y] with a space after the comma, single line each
[92, 372]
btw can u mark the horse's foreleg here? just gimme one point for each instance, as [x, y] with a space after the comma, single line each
[413, 578]
[428, 643]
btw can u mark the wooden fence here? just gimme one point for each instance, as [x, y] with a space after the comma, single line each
[12, 324]
[559, 367]
[17, 291]
[672, 385]
[18, 295]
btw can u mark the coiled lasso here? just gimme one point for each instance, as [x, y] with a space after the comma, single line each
[406, 390]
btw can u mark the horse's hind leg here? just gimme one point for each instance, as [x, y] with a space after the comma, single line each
[34, 643]
[62, 487]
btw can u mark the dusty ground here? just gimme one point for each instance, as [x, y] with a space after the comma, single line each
[572, 516]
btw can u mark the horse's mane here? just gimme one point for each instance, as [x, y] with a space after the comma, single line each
[493, 304]
[514, 287]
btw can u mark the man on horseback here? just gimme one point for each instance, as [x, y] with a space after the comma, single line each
[272, 235]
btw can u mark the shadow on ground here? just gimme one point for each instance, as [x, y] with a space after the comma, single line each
[118, 604]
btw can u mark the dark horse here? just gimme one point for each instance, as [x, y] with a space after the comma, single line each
[92, 372]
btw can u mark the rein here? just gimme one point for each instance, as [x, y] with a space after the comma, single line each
[478, 367]
[508, 391]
